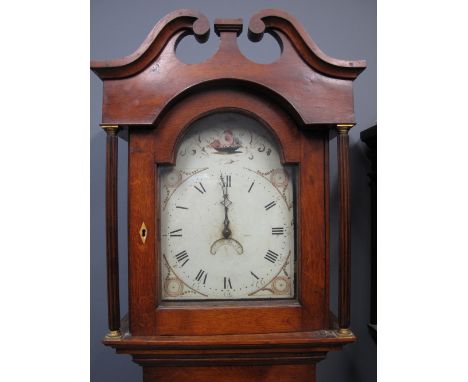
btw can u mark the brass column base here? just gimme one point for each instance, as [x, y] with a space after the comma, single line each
[345, 332]
[114, 334]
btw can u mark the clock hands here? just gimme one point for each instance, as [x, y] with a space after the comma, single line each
[226, 240]
[226, 203]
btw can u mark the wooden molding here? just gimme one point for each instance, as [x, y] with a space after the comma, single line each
[187, 20]
[275, 19]
[228, 25]
[211, 350]
[139, 88]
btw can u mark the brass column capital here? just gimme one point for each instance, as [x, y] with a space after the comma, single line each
[110, 129]
[344, 128]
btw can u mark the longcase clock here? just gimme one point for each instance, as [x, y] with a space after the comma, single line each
[228, 200]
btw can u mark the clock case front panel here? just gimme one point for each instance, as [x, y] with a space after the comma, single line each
[151, 147]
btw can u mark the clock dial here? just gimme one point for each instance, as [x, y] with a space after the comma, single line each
[227, 214]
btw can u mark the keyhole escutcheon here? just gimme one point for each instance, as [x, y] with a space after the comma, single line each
[143, 232]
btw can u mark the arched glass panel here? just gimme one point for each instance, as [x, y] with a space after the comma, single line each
[227, 211]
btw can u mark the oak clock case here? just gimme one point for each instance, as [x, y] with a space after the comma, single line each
[227, 214]
[198, 158]
[228, 202]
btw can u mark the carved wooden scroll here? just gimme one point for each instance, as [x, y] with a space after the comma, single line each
[316, 88]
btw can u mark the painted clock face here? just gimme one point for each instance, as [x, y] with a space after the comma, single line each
[227, 214]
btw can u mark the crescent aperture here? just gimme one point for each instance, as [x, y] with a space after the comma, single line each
[226, 242]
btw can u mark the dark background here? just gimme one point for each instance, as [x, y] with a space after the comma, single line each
[342, 29]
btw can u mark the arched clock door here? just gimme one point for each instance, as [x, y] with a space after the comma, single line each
[228, 203]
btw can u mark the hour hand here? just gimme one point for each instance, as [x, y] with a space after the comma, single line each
[226, 203]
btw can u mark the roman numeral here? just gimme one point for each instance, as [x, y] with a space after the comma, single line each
[182, 208]
[270, 205]
[182, 257]
[277, 231]
[271, 256]
[176, 233]
[227, 283]
[251, 186]
[254, 275]
[200, 274]
[202, 190]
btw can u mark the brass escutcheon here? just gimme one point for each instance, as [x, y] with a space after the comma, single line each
[143, 232]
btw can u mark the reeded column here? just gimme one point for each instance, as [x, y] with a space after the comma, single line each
[112, 254]
[344, 292]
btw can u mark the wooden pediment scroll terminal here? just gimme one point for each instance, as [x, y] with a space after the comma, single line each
[228, 202]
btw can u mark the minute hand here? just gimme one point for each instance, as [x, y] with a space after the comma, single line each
[226, 202]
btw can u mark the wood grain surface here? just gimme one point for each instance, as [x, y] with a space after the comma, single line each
[150, 148]
[314, 87]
